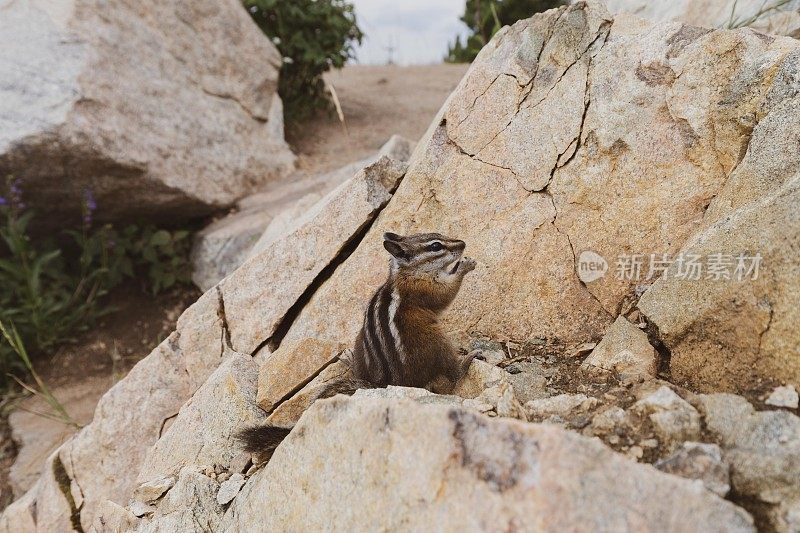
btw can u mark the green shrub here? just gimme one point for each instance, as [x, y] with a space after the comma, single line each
[485, 18]
[312, 36]
[52, 289]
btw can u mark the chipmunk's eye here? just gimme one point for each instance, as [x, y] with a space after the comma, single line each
[435, 247]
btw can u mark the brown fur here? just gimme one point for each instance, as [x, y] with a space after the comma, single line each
[424, 279]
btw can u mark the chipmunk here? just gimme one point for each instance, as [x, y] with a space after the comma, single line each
[401, 341]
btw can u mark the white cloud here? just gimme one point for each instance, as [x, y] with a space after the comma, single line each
[418, 30]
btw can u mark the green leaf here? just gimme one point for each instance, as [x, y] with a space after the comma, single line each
[160, 238]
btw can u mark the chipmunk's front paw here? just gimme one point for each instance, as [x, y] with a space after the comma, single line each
[467, 265]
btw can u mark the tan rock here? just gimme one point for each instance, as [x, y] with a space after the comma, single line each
[560, 405]
[696, 460]
[152, 490]
[202, 338]
[785, 396]
[471, 473]
[191, 506]
[203, 432]
[261, 218]
[608, 420]
[762, 450]
[162, 110]
[288, 369]
[713, 13]
[658, 141]
[503, 401]
[625, 351]
[674, 419]
[101, 461]
[289, 412]
[260, 292]
[726, 333]
[113, 518]
[480, 376]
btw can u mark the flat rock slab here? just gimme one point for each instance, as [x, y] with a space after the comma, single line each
[203, 432]
[258, 294]
[290, 367]
[471, 473]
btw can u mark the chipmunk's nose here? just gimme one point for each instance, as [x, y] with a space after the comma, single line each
[460, 245]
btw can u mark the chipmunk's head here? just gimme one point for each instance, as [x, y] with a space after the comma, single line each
[430, 253]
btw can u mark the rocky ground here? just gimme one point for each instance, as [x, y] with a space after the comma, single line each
[81, 373]
[602, 397]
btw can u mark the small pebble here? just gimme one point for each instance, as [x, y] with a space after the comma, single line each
[584, 348]
[785, 396]
[636, 451]
[140, 509]
[230, 488]
[513, 369]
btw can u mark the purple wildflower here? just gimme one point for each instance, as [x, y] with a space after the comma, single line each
[3, 201]
[15, 195]
[89, 207]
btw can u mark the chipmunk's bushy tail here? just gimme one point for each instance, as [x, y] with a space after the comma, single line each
[263, 439]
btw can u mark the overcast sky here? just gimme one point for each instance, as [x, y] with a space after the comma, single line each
[419, 30]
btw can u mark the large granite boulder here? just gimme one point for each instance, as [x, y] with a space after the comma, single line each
[733, 333]
[160, 109]
[370, 463]
[579, 135]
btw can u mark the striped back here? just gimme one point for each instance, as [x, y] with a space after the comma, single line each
[378, 355]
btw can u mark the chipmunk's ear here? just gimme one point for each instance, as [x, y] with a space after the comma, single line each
[393, 246]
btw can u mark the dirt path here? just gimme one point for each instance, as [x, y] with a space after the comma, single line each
[377, 101]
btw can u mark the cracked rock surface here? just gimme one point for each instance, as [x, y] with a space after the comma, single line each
[574, 131]
[268, 215]
[471, 473]
[712, 13]
[132, 417]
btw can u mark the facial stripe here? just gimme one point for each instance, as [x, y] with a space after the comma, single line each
[430, 254]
